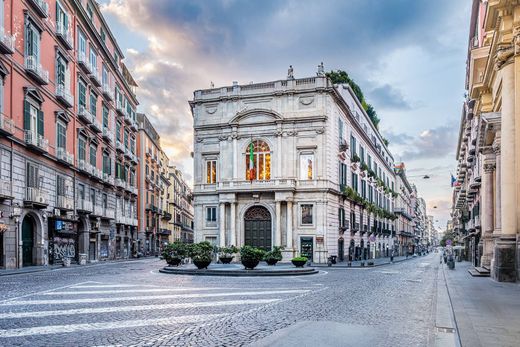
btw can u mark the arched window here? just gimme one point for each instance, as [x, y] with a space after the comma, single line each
[258, 161]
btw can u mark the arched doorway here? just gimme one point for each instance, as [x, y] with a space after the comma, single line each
[257, 227]
[28, 227]
[341, 249]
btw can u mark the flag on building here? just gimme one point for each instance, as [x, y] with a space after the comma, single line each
[454, 182]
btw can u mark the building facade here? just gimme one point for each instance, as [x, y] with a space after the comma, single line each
[180, 201]
[404, 209]
[486, 197]
[293, 163]
[64, 91]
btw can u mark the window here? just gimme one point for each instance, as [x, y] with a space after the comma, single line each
[341, 217]
[82, 143]
[103, 35]
[93, 59]
[363, 189]
[33, 176]
[211, 214]
[81, 191]
[93, 195]
[118, 131]
[342, 174]
[93, 103]
[369, 162]
[306, 166]
[370, 194]
[211, 171]
[258, 161]
[355, 182]
[32, 42]
[33, 120]
[105, 201]
[90, 12]
[340, 128]
[61, 135]
[62, 19]
[93, 152]
[105, 117]
[362, 154]
[60, 185]
[353, 150]
[107, 163]
[104, 75]
[62, 78]
[82, 46]
[307, 214]
[82, 94]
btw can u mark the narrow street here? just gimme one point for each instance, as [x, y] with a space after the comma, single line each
[130, 303]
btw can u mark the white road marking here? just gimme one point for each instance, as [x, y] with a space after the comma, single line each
[130, 291]
[43, 292]
[11, 315]
[149, 297]
[424, 264]
[71, 328]
[114, 286]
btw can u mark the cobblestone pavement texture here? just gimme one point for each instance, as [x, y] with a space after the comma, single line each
[131, 304]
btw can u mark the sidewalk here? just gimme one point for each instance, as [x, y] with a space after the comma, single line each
[487, 313]
[357, 263]
[41, 268]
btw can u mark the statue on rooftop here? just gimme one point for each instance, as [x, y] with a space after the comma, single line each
[290, 73]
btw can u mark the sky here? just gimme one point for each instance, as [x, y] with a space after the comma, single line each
[408, 56]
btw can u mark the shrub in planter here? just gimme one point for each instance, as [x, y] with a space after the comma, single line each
[200, 254]
[251, 256]
[274, 255]
[174, 253]
[299, 261]
[226, 254]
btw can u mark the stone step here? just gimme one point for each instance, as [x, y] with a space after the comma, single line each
[482, 270]
[475, 273]
[486, 267]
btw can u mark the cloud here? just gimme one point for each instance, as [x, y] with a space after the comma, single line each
[432, 143]
[397, 138]
[388, 97]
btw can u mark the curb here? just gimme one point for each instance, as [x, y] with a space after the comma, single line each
[239, 273]
[363, 267]
[446, 334]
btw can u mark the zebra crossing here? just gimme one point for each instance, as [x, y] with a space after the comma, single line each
[94, 307]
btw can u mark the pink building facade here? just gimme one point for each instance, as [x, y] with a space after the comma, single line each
[68, 130]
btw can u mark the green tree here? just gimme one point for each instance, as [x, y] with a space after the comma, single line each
[341, 77]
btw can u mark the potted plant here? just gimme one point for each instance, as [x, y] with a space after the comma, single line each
[226, 254]
[273, 256]
[251, 256]
[200, 254]
[174, 253]
[299, 261]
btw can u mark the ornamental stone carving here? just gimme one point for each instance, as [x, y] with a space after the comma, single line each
[320, 130]
[489, 167]
[503, 54]
[199, 139]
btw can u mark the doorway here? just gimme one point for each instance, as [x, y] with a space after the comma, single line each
[28, 227]
[306, 247]
[257, 227]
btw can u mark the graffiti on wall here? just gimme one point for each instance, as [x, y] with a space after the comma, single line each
[63, 247]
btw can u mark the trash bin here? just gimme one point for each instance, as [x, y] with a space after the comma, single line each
[82, 259]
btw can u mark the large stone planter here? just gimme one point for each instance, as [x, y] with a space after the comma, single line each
[299, 263]
[271, 262]
[250, 264]
[202, 264]
[174, 261]
[225, 260]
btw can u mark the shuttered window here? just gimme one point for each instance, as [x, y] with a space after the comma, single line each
[32, 176]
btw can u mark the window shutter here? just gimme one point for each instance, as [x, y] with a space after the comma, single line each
[27, 115]
[40, 123]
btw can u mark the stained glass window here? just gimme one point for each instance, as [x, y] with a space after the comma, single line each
[306, 166]
[260, 169]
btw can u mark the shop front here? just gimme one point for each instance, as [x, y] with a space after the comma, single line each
[63, 240]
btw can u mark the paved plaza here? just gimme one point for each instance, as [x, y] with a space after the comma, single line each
[130, 303]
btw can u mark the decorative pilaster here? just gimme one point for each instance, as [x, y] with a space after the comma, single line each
[232, 225]
[289, 237]
[222, 224]
[487, 199]
[278, 226]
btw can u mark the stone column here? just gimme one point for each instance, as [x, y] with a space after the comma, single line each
[486, 215]
[222, 224]
[235, 156]
[498, 187]
[278, 225]
[289, 225]
[279, 152]
[232, 224]
[505, 246]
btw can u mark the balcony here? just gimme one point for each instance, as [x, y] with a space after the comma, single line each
[63, 156]
[85, 166]
[35, 197]
[64, 35]
[97, 211]
[63, 95]
[6, 125]
[120, 219]
[354, 227]
[107, 92]
[95, 77]
[36, 141]
[35, 70]
[133, 158]
[402, 211]
[5, 189]
[41, 7]
[83, 62]
[134, 126]
[84, 206]
[120, 108]
[119, 183]
[149, 152]
[85, 114]
[120, 147]
[108, 179]
[108, 213]
[255, 185]
[98, 174]
[96, 125]
[127, 153]
[6, 42]
[64, 203]
[108, 134]
[128, 119]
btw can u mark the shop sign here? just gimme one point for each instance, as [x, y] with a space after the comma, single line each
[112, 233]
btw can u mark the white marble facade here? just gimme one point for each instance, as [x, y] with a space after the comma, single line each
[296, 191]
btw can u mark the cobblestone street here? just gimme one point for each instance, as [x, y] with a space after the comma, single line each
[130, 303]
